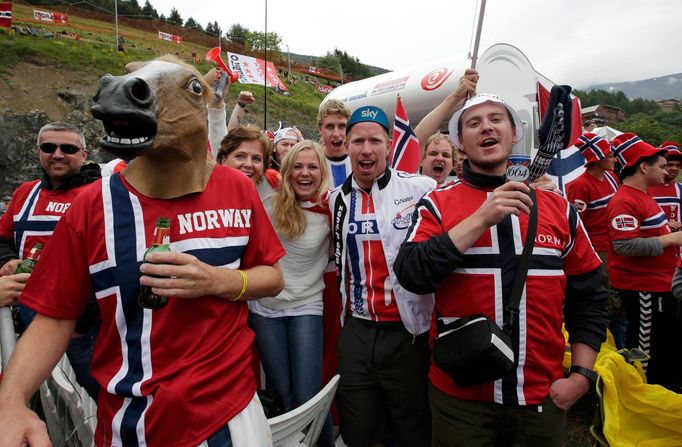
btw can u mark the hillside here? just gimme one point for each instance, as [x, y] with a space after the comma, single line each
[657, 89]
[45, 79]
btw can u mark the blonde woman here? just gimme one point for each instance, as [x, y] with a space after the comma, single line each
[288, 327]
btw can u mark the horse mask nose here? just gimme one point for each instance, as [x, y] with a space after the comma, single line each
[124, 105]
[138, 92]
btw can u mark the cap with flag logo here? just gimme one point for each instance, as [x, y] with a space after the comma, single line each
[673, 150]
[287, 133]
[629, 149]
[369, 114]
[453, 126]
[593, 147]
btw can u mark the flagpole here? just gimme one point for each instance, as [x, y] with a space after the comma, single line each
[116, 16]
[477, 39]
[265, 74]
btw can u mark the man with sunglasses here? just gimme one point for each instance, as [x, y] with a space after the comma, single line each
[33, 213]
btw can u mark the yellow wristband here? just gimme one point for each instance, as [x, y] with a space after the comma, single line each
[245, 284]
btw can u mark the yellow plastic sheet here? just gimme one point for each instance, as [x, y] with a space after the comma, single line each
[634, 412]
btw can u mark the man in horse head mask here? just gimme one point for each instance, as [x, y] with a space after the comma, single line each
[179, 375]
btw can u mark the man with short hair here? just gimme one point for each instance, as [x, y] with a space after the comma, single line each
[669, 194]
[383, 350]
[439, 158]
[32, 215]
[593, 189]
[464, 244]
[331, 124]
[642, 260]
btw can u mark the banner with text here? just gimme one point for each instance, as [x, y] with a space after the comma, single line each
[5, 15]
[54, 17]
[170, 37]
[315, 70]
[254, 71]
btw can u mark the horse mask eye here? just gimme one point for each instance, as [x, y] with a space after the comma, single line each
[195, 86]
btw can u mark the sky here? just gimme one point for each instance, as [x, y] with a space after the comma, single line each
[576, 42]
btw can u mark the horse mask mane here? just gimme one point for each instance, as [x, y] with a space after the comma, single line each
[156, 114]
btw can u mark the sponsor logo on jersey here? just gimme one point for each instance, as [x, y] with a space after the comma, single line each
[212, 219]
[403, 218]
[624, 222]
[580, 205]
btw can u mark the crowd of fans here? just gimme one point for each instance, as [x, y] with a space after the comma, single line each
[375, 257]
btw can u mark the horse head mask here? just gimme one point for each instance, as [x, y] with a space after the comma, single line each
[156, 114]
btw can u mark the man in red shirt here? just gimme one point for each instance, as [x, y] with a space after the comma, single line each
[464, 244]
[592, 191]
[642, 260]
[669, 194]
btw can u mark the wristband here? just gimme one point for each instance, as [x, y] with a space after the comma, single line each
[245, 284]
[588, 373]
[241, 104]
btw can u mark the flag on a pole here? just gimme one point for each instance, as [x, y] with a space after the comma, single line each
[6, 15]
[404, 154]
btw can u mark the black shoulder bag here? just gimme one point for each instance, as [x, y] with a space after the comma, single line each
[473, 349]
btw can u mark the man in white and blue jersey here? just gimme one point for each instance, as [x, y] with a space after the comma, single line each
[331, 123]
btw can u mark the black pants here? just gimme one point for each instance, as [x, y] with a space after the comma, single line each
[383, 386]
[470, 423]
[654, 326]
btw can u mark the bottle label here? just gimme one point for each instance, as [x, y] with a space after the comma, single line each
[161, 236]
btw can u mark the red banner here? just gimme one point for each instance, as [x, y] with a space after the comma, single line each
[170, 37]
[255, 71]
[54, 17]
[324, 88]
[5, 15]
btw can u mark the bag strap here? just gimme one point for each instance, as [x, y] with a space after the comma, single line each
[522, 273]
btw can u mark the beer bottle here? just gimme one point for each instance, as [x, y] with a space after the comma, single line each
[28, 264]
[146, 298]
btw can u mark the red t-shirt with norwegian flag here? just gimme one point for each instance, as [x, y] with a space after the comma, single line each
[482, 284]
[590, 197]
[635, 214]
[172, 376]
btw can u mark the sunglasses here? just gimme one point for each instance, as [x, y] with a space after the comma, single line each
[49, 148]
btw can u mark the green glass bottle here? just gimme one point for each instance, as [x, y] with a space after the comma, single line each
[28, 264]
[146, 298]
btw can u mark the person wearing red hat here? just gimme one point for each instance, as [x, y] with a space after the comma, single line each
[642, 260]
[669, 194]
[592, 191]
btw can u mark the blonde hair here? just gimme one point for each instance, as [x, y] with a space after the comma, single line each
[289, 219]
[436, 138]
[332, 107]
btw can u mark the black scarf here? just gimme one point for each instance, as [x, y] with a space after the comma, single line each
[483, 181]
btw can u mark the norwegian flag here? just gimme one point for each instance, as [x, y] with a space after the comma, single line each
[404, 155]
[5, 15]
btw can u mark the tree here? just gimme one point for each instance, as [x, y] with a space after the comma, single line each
[255, 41]
[213, 28]
[191, 23]
[174, 17]
[149, 11]
[237, 33]
[350, 65]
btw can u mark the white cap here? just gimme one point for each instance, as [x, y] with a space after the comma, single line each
[287, 133]
[474, 101]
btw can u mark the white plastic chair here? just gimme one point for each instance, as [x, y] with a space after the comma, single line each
[70, 412]
[7, 336]
[302, 425]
